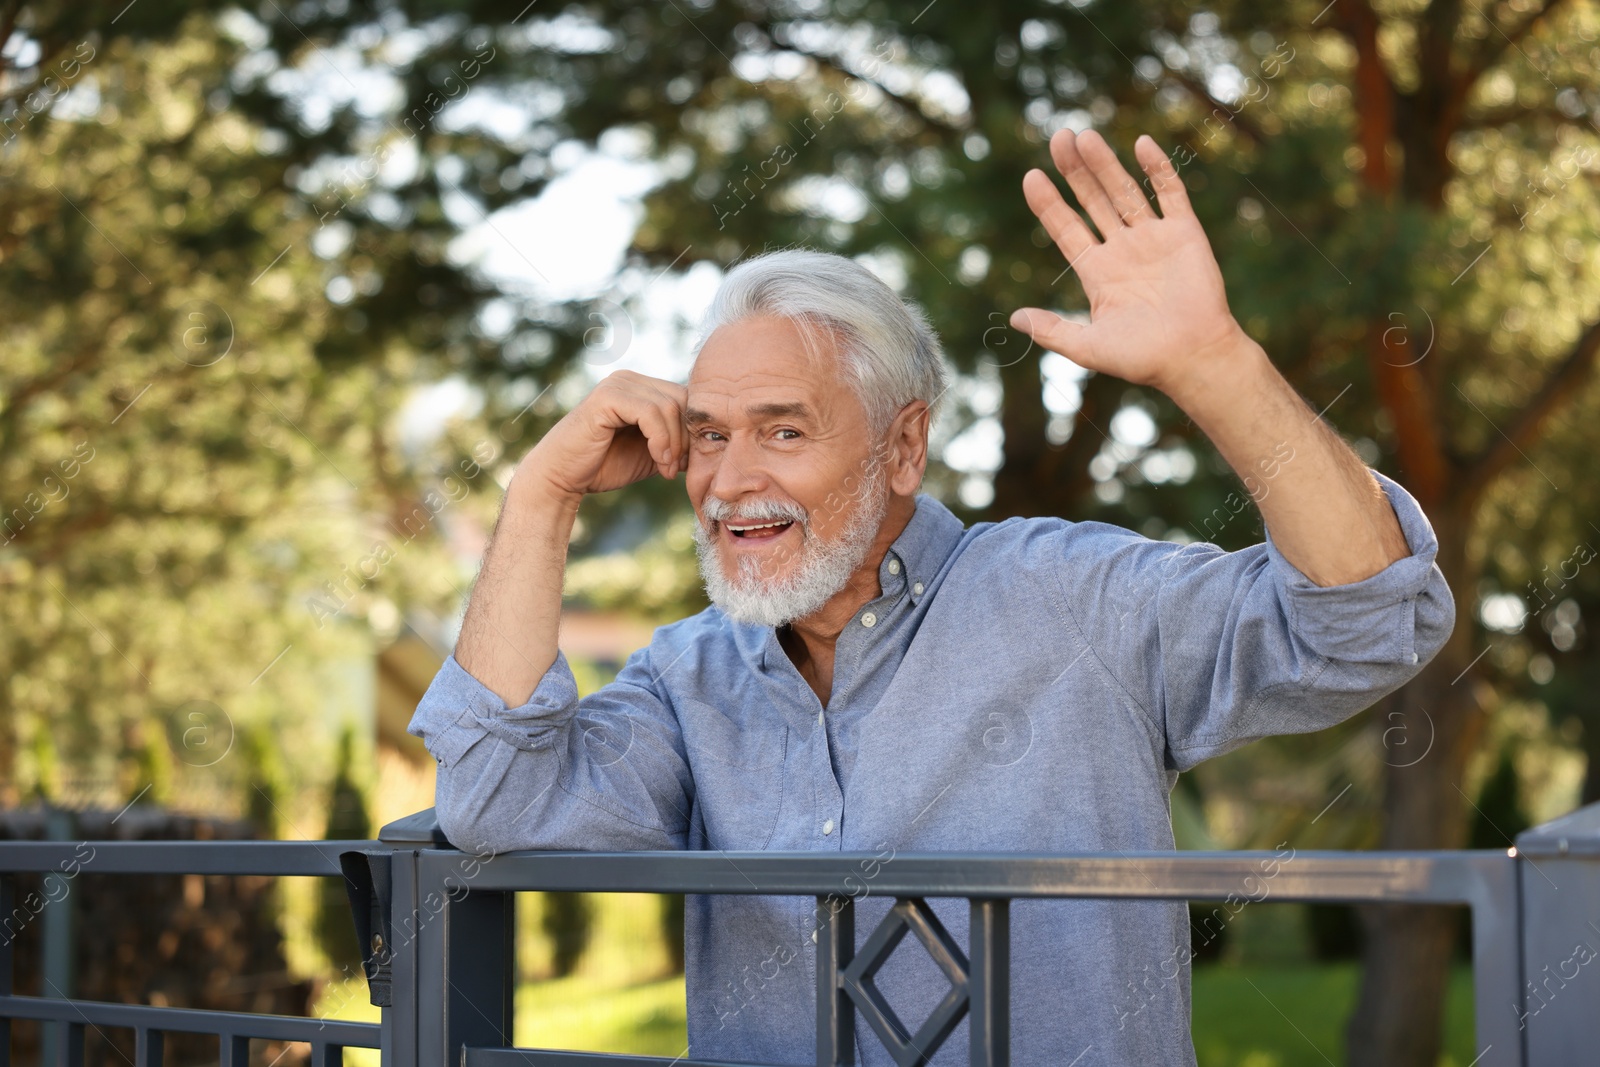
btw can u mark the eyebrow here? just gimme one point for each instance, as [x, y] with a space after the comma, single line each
[791, 410]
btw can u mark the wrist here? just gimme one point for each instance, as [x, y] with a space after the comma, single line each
[531, 492]
[1218, 377]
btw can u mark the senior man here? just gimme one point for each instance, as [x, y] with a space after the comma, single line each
[872, 676]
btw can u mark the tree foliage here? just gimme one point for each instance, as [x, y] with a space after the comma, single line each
[184, 468]
[1401, 197]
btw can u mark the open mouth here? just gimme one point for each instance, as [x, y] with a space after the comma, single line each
[758, 531]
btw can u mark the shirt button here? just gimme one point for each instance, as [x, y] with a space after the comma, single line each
[917, 589]
[819, 719]
[1413, 657]
[869, 620]
[894, 566]
[827, 828]
[813, 937]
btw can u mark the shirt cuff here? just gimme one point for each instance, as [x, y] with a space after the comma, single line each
[1373, 620]
[457, 711]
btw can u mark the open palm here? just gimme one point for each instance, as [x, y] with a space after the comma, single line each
[1158, 314]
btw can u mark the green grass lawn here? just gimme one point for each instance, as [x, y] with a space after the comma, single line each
[1294, 1016]
[1250, 1016]
[645, 1018]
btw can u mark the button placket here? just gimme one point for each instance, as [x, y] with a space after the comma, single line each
[827, 796]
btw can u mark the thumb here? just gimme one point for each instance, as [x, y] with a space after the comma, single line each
[1056, 333]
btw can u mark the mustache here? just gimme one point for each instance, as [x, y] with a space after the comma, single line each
[716, 509]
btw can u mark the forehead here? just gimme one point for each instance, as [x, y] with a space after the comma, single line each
[767, 359]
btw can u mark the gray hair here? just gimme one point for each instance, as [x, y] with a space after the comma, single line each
[891, 354]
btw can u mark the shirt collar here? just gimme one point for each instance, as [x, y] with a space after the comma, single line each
[921, 549]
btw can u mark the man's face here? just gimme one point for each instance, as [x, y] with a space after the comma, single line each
[781, 473]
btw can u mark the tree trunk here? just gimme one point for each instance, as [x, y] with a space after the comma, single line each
[1400, 1016]
[1431, 728]
[1035, 476]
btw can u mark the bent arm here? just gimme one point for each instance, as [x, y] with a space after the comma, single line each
[1221, 648]
[627, 428]
[508, 638]
[556, 772]
[1328, 515]
[522, 762]
[1159, 316]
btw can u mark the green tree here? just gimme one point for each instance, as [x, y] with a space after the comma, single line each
[265, 793]
[1499, 813]
[193, 487]
[672, 905]
[568, 921]
[348, 820]
[1396, 194]
[1399, 195]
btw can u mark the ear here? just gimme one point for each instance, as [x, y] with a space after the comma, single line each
[905, 445]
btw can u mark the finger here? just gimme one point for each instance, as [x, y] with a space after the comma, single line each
[668, 400]
[1085, 186]
[674, 399]
[625, 403]
[1170, 191]
[645, 402]
[657, 429]
[679, 433]
[1056, 333]
[1124, 192]
[680, 440]
[1070, 233]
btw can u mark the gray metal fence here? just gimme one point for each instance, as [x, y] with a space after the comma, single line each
[234, 1031]
[437, 930]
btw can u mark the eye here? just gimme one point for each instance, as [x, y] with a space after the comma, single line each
[710, 435]
[795, 435]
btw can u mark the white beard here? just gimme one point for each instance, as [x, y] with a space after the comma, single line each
[823, 570]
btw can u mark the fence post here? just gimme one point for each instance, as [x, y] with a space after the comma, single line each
[407, 837]
[58, 1044]
[1560, 917]
[8, 903]
[836, 1017]
[466, 960]
[989, 982]
[399, 1019]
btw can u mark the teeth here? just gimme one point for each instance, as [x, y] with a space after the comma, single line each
[759, 526]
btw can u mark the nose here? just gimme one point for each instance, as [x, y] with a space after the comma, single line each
[739, 469]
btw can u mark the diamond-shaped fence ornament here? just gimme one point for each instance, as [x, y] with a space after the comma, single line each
[910, 914]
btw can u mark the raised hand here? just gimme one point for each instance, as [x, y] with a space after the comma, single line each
[629, 426]
[1158, 314]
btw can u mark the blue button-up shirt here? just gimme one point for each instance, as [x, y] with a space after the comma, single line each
[1033, 685]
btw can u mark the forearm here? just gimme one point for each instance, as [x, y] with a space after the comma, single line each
[495, 788]
[1327, 514]
[508, 638]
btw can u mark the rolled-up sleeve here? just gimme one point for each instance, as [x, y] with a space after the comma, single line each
[1401, 615]
[1222, 648]
[607, 772]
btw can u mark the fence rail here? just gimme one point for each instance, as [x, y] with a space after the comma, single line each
[436, 926]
